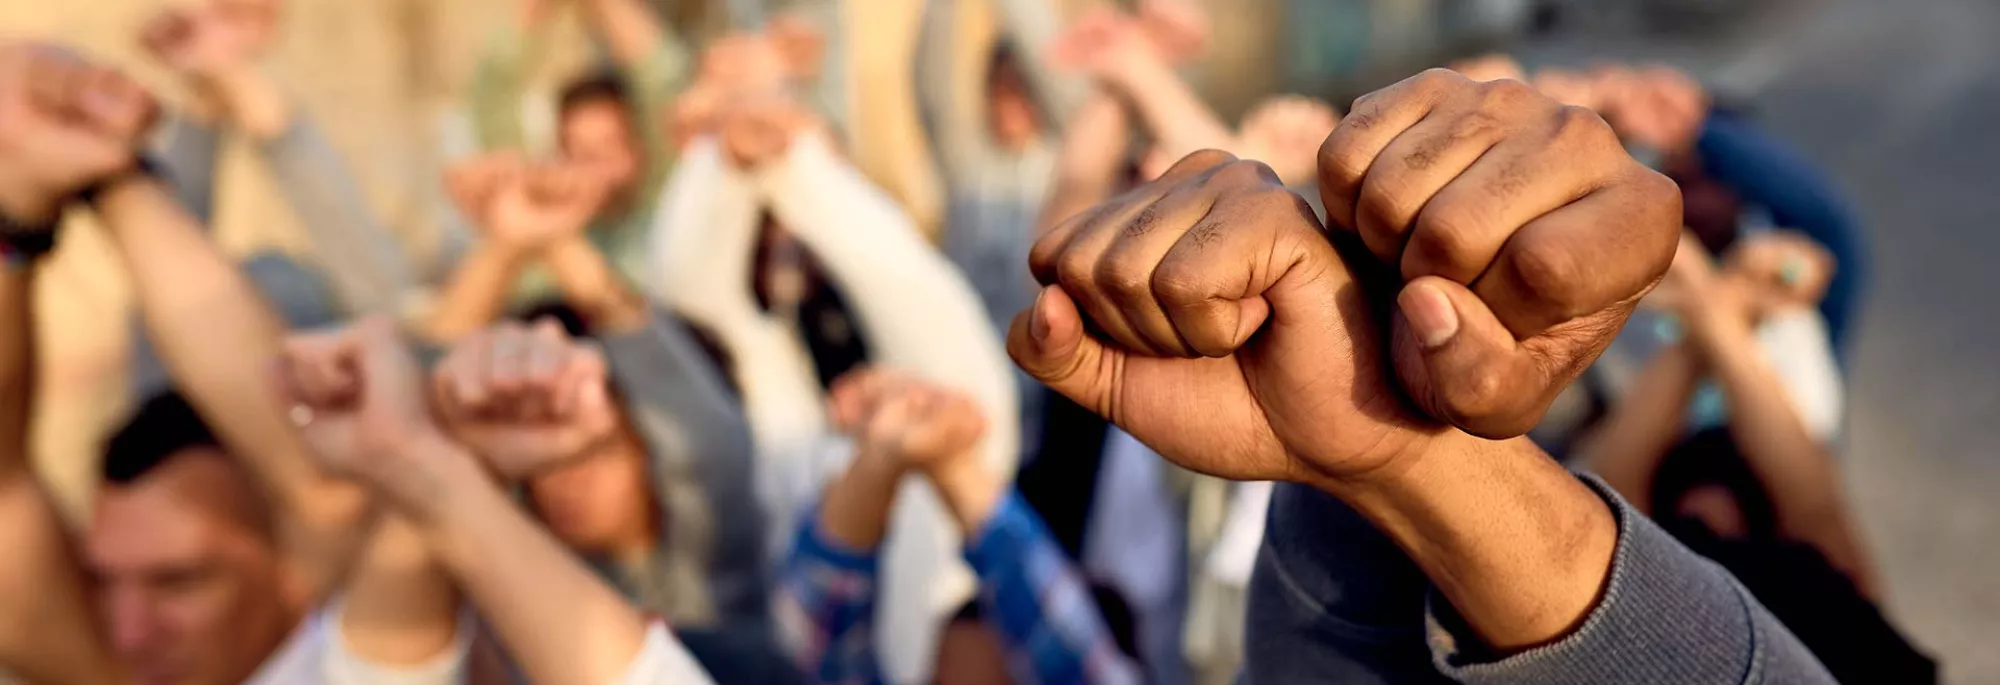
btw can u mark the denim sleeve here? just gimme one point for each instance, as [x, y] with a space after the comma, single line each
[699, 448]
[1333, 600]
[1766, 173]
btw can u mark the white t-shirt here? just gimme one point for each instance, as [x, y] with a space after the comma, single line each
[663, 661]
[317, 654]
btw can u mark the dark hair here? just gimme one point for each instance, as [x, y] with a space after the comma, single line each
[598, 87]
[1710, 457]
[164, 426]
[571, 319]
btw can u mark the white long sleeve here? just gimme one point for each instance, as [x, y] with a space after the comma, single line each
[703, 248]
[920, 316]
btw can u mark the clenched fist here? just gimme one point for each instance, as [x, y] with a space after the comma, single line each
[356, 395]
[543, 202]
[205, 38]
[526, 399]
[64, 123]
[1210, 315]
[906, 419]
[1523, 231]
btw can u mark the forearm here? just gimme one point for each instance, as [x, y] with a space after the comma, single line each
[1092, 159]
[367, 265]
[215, 334]
[17, 370]
[588, 282]
[969, 491]
[1033, 26]
[470, 524]
[627, 27]
[1643, 426]
[854, 510]
[401, 607]
[1181, 123]
[950, 87]
[477, 292]
[1519, 546]
[249, 98]
[1794, 468]
[47, 631]
[704, 241]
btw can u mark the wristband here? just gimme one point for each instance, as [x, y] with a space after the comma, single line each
[21, 243]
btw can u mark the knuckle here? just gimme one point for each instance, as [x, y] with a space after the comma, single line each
[1439, 80]
[1177, 285]
[1580, 126]
[1449, 234]
[1506, 95]
[1241, 174]
[1548, 273]
[1124, 280]
[1076, 273]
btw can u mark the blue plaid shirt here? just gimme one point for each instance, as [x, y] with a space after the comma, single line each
[1033, 597]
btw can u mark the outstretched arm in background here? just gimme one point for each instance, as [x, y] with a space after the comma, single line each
[1092, 162]
[46, 631]
[1126, 61]
[371, 422]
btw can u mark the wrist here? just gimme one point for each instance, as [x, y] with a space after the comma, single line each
[968, 490]
[432, 474]
[24, 204]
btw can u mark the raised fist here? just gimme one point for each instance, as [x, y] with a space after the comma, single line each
[1285, 132]
[1179, 28]
[474, 182]
[1523, 230]
[544, 202]
[357, 397]
[757, 129]
[1107, 44]
[1656, 106]
[205, 38]
[1789, 267]
[64, 123]
[526, 399]
[915, 422]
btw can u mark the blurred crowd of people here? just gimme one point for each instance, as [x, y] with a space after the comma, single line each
[711, 398]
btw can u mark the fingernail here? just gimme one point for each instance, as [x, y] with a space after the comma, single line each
[1038, 320]
[1430, 314]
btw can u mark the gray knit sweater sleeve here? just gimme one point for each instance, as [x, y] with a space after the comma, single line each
[1333, 600]
[359, 254]
[701, 456]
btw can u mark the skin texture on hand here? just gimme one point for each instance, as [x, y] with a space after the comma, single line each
[63, 123]
[526, 399]
[357, 400]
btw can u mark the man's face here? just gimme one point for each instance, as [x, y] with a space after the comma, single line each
[598, 134]
[191, 592]
[601, 503]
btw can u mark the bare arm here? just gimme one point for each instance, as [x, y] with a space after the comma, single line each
[589, 283]
[213, 331]
[628, 28]
[854, 510]
[477, 292]
[401, 607]
[46, 631]
[1642, 427]
[1180, 122]
[1798, 472]
[1092, 156]
[470, 523]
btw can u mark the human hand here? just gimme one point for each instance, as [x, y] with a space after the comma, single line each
[1180, 29]
[757, 129]
[64, 123]
[1523, 231]
[1788, 268]
[1285, 132]
[1108, 45]
[472, 183]
[526, 399]
[542, 203]
[357, 397]
[911, 421]
[203, 39]
[1206, 314]
[742, 63]
[800, 44]
[1656, 106]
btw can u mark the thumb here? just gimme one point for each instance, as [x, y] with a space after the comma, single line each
[1462, 366]
[1048, 342]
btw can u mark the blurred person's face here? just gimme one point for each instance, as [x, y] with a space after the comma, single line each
[601, 503]
[970, 654]
[1009, 108]
[189, 585]
[598, 134]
